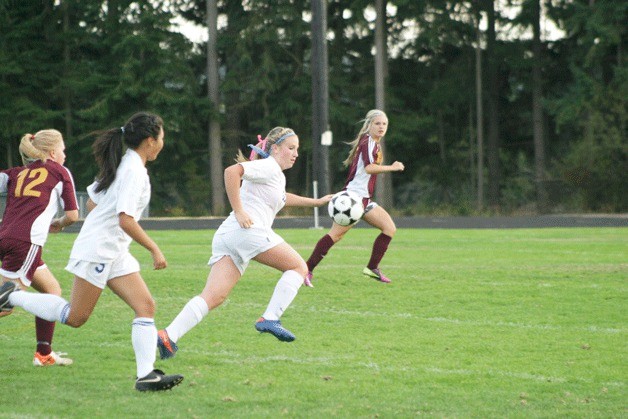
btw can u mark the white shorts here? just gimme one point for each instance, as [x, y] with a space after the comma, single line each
[242, 245]
[98, 274]
[25, 281]
[369, 206]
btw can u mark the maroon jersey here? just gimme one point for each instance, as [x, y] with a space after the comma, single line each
[358, 181]
[34, 194]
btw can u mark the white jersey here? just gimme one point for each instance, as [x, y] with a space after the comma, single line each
[101, 238]
[263, 194]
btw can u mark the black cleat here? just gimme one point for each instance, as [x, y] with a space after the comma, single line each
[158, 381]
[5, 290]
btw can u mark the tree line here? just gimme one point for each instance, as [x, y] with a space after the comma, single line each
[488, 110]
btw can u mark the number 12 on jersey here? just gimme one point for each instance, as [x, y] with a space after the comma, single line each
[28, 179]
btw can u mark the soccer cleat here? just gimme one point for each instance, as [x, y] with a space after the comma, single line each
[275, 328]
[167, 348]
[53, 358]
[5, 290]
[157, 381]
[6, 313]
[376, 274]
[307, 281]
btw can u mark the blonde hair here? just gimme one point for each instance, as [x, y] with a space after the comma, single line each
[271, 138]
[38, 146]
[366, 126]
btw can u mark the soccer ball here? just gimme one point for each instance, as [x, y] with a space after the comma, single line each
[345, 208]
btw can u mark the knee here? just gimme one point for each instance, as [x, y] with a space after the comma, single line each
[76, 321]
[336, 237]
[214, 299]
[390, 230]
[146, 308]
[301, 268]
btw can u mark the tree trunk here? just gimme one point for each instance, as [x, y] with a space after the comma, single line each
[384, 189]
[320, 97]
[493, 111]
[215, 146]
[67, 100]
[537, 111]
[479, 117]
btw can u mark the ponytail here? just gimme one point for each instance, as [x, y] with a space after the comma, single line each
[38, 146]
[107, 151]
[262, 150]
[109, 144]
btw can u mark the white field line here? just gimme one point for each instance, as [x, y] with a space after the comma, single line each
[343, 312]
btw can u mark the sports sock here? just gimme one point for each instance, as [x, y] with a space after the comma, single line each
[286, 289]
[379, 249]
[192, 314]
[319, 252]
[144, 338]
[44, 331]
[46, 306]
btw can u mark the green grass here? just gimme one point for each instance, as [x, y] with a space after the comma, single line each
[476, 323]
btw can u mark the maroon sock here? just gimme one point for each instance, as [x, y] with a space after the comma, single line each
[319, 252]
[379, 249]
[44, 331]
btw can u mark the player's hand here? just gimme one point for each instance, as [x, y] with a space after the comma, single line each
[244, 219]
[324, 200]
[398, 166]
[56, 226]
[159, 260]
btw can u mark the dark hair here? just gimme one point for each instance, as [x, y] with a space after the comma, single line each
[108, 148]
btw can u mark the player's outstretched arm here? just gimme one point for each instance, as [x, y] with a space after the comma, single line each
[375, 169]
[293, 200]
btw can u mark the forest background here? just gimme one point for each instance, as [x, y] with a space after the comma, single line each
[532, 92]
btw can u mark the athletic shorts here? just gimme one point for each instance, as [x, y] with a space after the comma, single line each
[97, 273]
[368, 204]
[243, 245]
[20, 260]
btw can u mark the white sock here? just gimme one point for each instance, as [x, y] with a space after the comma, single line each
[192, 314]
[286, 289]
[45, 306]
[144, 338]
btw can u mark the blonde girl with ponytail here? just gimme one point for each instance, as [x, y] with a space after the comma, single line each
[365, 162]
[256, 189]
[34, 193]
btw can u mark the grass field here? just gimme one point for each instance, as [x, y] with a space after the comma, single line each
[477, 323]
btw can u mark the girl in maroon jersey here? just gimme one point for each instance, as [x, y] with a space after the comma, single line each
[365, 163]
[34, 192]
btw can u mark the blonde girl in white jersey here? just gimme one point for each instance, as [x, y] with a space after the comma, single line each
[257, 191]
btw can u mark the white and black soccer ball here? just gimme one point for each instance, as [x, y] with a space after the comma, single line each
[345, 208]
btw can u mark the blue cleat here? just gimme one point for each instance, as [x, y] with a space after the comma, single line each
[167, 348]
[275, 328]
[5, 290]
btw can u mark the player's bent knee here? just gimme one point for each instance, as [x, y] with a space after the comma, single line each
[337, 237]
[301, 269]
[215, 300]
[147, 309]
[76, 321]
[390, 230]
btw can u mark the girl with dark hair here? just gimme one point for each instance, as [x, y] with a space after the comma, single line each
[256, 189]
[34, 193]
[100, 256]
